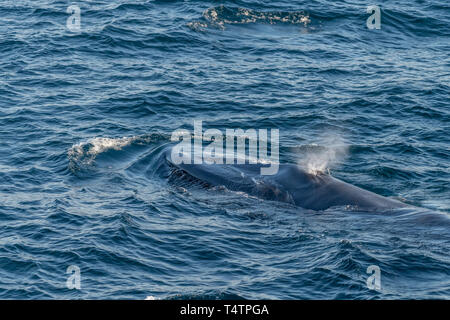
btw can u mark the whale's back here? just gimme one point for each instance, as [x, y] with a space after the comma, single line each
[291, 184]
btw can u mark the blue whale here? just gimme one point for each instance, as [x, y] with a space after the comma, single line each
[291, 184]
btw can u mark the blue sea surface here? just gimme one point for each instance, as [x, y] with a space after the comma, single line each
[85, 114]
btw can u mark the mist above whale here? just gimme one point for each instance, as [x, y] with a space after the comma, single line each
[290, 184]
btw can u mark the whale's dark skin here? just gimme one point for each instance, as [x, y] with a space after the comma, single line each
[291, 184]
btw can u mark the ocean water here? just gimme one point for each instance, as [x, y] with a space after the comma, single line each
[85, 114]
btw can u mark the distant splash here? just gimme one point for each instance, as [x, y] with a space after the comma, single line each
[321, 158]
[220, 16]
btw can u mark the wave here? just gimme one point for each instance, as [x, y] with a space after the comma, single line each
[84, 154]
[93, 147]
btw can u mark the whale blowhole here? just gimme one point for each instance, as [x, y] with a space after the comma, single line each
[319, 158]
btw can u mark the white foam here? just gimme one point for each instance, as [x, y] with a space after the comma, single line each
[86, 152]
[222, 15]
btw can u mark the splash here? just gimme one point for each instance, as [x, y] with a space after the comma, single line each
[86, 152]
[222, 15]
[320, 158]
